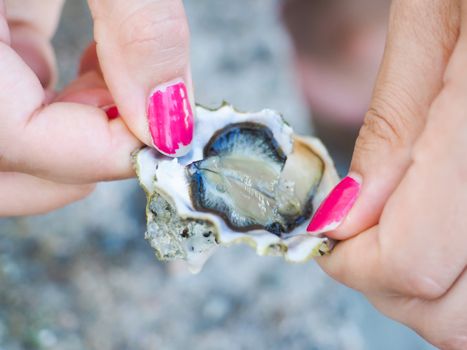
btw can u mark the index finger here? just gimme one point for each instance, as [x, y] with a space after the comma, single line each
[416, 56]
[421, 37]
[419, 247]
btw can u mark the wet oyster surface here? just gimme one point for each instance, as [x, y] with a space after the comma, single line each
[246, 178]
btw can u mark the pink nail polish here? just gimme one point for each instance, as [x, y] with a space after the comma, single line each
[335, 207]
[111, 111]
[171, 119]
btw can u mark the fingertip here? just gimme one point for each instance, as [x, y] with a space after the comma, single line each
[335, 209]
[143, 49]
[170, 118]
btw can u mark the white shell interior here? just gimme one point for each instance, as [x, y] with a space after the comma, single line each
[299, 246]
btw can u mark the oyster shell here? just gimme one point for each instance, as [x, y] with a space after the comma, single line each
[248, 179]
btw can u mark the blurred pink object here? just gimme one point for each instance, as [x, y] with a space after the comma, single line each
[338, 46]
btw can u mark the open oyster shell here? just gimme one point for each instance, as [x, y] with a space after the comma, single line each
[248, 179]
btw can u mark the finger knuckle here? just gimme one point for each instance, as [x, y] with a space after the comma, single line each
[383, 124]
[378, 123]
[156, 29]
[425, 286]
[409, 277]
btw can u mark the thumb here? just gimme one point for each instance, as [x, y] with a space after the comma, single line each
[143, 49]
[421, 37]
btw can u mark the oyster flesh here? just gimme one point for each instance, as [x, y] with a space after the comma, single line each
[248, 179]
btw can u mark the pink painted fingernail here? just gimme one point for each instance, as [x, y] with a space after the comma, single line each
[336, 206]
[171, 119]
[111, 111]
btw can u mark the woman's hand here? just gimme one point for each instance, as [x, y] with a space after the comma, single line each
[405, 238]
[55, 146]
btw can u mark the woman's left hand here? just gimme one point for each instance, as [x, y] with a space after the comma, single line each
[405, 238]
[55, 146]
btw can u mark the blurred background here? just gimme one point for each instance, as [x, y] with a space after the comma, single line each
[84, 278]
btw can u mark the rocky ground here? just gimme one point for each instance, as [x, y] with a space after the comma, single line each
[84, 278]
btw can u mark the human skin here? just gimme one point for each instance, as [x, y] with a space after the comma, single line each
[57, 145]
[404, 239]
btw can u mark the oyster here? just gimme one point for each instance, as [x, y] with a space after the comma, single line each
[248, 179]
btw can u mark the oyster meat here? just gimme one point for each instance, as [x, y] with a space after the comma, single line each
[248, 179]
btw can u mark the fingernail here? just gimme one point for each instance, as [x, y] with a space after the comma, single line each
[336, 206]
[111, 111]
[171, 119]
